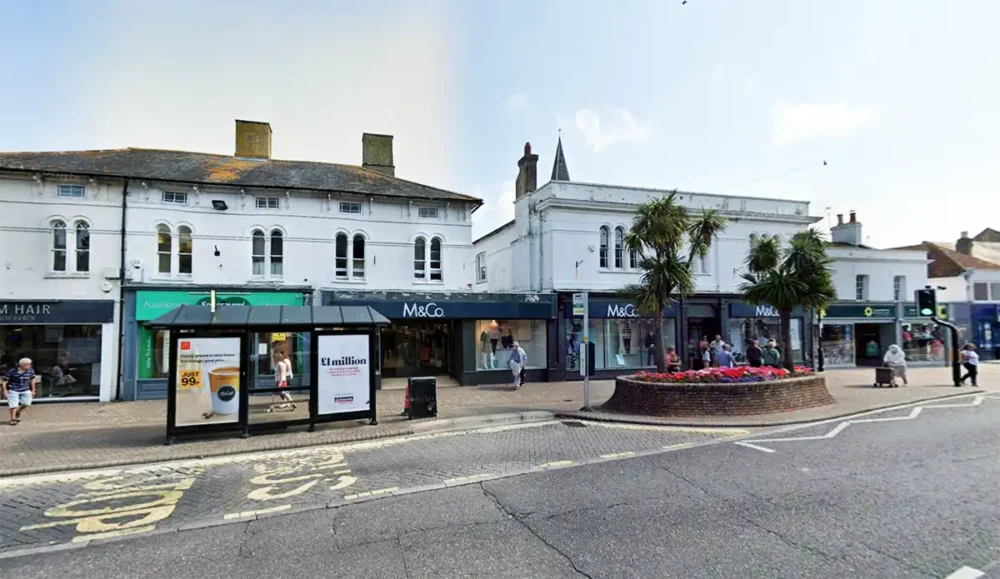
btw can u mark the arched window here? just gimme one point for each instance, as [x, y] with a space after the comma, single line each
[358, 251]
[340, 261]
[58, 245]
[185, 250]
[436, 259]
[164, 246]
[257, 252]
[277, 253]
[619, 244]
[420, 258]
[82, 246]
[604, 246]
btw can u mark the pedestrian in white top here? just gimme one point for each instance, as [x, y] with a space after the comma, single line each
[970, 358]
[517, 361]
[282, 378]
[895, 358]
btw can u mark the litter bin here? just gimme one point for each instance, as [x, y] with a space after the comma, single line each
[423, 397]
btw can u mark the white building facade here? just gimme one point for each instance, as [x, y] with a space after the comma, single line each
[567, 237]
[256, 230]
[60, 245]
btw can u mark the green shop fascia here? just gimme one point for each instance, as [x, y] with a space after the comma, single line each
[150, 305]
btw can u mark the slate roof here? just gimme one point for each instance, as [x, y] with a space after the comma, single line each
[560, 172]
[946, 262]
[189, 316]
[205, 168]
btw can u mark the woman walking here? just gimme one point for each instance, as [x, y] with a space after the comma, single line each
[895, 358]
[516, 363]
[970, 358]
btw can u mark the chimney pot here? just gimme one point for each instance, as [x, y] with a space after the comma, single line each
[840, 219]
[376, 153]
[965, 234]
[854, 217]
[527, 173]
[253, 139]
[964, 244]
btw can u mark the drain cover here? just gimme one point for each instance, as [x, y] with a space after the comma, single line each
[574, 424]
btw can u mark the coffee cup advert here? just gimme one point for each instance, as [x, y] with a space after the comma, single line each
[208, 381]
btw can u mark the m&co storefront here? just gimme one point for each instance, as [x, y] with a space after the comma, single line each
[146, 352]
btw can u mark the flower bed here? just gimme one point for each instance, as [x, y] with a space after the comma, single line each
[719, 392]
[723, 375]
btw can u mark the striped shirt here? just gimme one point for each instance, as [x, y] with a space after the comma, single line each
[19, 381]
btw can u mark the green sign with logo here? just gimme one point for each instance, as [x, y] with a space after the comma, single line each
[880, 312]
[149, 305]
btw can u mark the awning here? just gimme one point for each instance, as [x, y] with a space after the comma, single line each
[226, 316]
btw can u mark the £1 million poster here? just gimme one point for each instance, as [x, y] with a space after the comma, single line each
[344, 373]
[208, 381]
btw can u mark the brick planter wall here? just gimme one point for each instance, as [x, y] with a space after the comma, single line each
[634, 397]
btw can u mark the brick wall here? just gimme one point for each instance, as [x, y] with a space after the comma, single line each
[718, 399]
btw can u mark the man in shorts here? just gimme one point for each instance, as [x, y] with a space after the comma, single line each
[19, 386]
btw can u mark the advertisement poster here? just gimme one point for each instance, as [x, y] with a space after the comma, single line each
[208, 381]
[344, 374]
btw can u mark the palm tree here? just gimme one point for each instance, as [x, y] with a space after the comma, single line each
[787, 278]
[660, 232]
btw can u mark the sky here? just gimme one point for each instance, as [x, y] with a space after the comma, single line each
[901, 98]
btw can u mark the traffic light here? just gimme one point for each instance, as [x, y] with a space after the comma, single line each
[926, 303]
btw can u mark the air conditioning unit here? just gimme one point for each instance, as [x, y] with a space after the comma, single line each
[111, 273]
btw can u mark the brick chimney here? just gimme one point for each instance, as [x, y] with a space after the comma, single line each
[376, 154]
[848, 233]
[964, 244]
[253, 139]
[527, 173]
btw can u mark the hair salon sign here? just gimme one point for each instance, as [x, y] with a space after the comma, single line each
[56, 311]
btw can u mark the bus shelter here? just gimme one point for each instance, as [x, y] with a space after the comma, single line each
[249, 369]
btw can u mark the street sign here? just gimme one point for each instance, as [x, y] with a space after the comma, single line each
[579, 304]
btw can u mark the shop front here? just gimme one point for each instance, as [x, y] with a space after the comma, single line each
[71, 342]
[467, 336]
[623, 339]
[147, 350]
[762, 323]
[985, 322]
[859, 334]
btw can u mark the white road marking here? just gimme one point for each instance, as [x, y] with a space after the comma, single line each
[371, 493]
[557, 464]
[914, 412]
[966, 573]
[755, 447]
[231, 516]
[619, 454]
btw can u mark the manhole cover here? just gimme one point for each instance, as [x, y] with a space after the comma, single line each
[574, 424]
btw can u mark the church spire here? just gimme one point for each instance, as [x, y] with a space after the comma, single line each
[559, 170]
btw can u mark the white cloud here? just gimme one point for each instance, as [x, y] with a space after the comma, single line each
[624, 129]
[794, 123]
[498, 209]
[516, 102]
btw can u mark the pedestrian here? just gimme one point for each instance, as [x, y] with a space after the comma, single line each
[673, 360]
[282, 378]
[772, 357]
[755, 355]
[725, 357]
[717, 344]
[970, 359]
[895, 358]
[19, 386]
[515, 363]
[650, 349]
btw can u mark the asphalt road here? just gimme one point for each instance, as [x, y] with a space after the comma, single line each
[916, 496]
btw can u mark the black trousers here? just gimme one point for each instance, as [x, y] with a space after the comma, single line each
[972, 374]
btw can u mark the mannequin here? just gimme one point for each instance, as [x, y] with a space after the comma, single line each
[484, 349]
[627, 336]
[494, 336]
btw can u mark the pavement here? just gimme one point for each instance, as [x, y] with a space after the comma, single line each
[55, 437]
[908, 492]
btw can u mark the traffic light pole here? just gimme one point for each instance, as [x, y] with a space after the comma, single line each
[956, 357]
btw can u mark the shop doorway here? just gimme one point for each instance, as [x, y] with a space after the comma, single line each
[698, 329]
[871, 341]
[416, 349]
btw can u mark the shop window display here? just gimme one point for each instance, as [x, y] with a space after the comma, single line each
[924, 342]
[742, 330]
[618, 343]
[496, 340]
[838, 345]
[67, 358]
